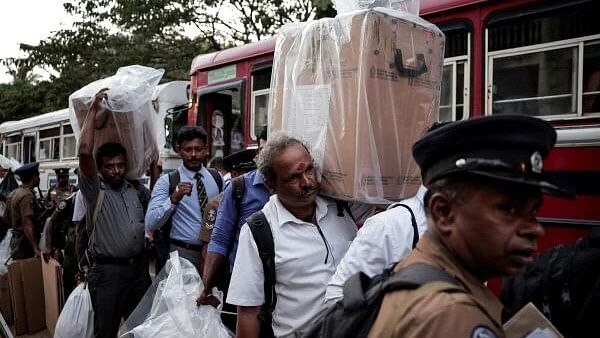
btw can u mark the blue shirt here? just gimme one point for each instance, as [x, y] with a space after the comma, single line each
[227, 228]
[186, 215]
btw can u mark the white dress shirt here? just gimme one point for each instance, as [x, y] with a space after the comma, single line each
[303, 265]
[383, 240]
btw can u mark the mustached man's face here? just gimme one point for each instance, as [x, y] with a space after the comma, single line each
[113, 169]
[296, 181]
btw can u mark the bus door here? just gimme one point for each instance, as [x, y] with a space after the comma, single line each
[220, 113]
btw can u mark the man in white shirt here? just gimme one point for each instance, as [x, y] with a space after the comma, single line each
[309, 239]
[383, 240]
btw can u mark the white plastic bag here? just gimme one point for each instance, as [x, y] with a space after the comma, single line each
[5, 252]
[77, 317]
[169, 307]
[346, 6]
[126, 116]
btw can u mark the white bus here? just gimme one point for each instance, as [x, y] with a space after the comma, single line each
[49, 138]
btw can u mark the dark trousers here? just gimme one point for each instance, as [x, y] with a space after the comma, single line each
[115, 291]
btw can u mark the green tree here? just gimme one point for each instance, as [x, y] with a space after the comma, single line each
[168, 34]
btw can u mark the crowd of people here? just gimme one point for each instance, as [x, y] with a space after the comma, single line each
[259, 230]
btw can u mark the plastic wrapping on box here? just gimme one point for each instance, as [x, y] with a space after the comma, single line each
[359, 89]
[168, 309]
[126, 117]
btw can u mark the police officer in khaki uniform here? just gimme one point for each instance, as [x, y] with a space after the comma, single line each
[237, 164]
[62, 189]
[485, 186]
[21, 214]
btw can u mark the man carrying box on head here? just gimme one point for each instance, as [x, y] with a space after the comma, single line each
[118, 276]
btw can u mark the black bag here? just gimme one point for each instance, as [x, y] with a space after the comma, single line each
[564, 283]
[355, 314]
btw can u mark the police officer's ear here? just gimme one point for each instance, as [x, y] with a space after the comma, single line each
[442, 213]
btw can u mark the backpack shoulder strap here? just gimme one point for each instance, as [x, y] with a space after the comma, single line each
[238, 184]
[413, 221]
[174, 180]
[343, 206]
[261, 232]
[217, 177]
[97, 207]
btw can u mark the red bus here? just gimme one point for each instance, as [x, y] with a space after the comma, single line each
[539, 58]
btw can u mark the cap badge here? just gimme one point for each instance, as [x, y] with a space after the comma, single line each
[537, 163]
[461, 162]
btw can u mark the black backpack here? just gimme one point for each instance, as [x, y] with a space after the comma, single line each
[355, 314]
[564, 283]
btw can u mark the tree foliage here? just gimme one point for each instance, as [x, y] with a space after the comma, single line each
[108, 34]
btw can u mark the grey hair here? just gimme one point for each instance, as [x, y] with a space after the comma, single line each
[453, 187]
[277, 143]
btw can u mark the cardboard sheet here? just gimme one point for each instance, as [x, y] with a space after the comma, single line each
[27, 295]
[529, 322]
[52, 275]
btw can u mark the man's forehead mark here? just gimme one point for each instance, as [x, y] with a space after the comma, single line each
[301, 166]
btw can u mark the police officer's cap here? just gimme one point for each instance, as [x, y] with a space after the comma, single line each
[62, 171]
[28, 169]
[500, 147]
[241, 160]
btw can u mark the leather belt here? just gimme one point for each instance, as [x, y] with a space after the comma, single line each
[194, 247]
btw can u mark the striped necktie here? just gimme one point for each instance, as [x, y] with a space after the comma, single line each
[202, 198]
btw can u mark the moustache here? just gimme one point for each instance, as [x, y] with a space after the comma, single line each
[308, 191]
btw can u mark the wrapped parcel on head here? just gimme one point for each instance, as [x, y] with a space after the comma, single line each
[126, 117]
[359, 89]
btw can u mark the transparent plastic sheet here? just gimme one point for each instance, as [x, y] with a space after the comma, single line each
[5, 252]
[359, 89]
[77, 316]
[126, 117]
[9, 163]
[347, 6]
[168, 309]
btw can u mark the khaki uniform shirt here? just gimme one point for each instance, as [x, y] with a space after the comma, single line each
[209, 218]
[20, 204]
[57, 194]
[473, 314]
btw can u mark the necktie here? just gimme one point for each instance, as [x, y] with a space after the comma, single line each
[202, 198]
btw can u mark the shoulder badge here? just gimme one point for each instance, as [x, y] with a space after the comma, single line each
[482, 331]
[62, 205]
[211, 217]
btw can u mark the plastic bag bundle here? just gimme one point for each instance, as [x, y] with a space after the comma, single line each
[5, 252]
[359, 89]
[77, 316]
[168, 309]
[9, 163]
[126, 117]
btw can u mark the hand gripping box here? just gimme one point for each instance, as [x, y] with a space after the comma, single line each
[359, 89]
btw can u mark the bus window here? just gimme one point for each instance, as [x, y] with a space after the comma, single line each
[261, 82]
[13, 147]
[49, 144]
[534, 62]
[454, 99]
[175, 118]
[69, 146]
